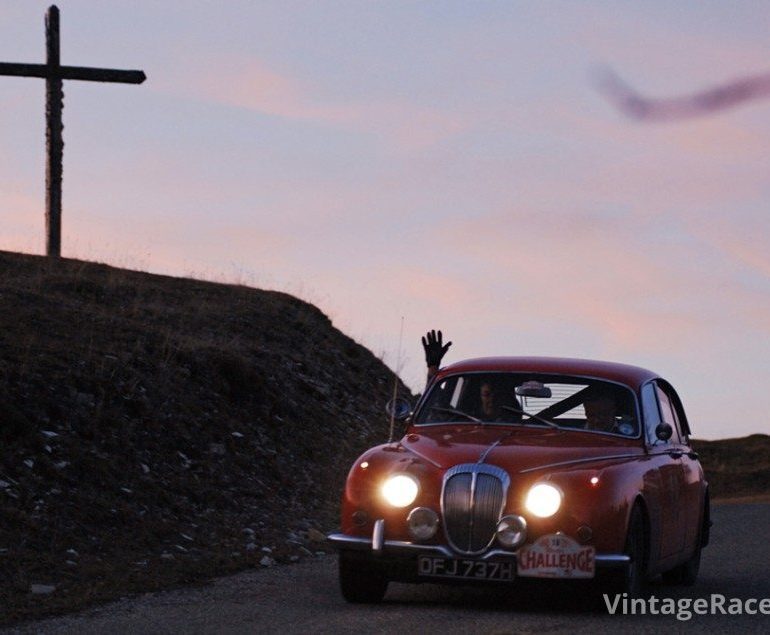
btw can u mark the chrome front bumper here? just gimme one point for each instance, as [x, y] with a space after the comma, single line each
[377, 545]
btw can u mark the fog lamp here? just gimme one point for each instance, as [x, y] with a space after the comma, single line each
[511, 531]
[423, 523]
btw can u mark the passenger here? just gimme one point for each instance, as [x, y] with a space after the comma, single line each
[601, 410]
[491, 397]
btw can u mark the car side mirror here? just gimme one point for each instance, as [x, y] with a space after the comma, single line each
[664, 431]
[398, 408]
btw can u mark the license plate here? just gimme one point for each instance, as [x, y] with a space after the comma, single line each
[437, 567]
[556, 556]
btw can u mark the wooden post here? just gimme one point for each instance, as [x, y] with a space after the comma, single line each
[53, 134]
[53, 73]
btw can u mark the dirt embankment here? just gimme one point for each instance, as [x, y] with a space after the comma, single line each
[737, 468]
[156, 431]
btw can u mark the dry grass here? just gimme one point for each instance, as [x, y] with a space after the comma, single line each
[736, 467]
[147, 421]
[183, 412]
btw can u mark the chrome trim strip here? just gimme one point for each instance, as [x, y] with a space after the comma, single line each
[474, 478]
[343, 541]
[611, 560]
[479, 468]
[499, 553]
[378, 535]
[585, 460]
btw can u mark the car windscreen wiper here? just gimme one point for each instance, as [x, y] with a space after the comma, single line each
[453, 411]
[531, 416]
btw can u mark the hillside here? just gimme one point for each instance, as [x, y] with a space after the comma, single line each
[157, 431]
[736, 467]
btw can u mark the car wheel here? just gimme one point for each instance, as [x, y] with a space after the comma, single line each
[633, 579]
[686, 573]
[361, 582]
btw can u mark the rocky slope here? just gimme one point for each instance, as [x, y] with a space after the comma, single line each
[736, 467]
[157, 431]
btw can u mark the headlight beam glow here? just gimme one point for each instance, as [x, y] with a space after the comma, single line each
[543, 500]
[400, 490]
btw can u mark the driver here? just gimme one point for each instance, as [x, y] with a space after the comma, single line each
[494, 399]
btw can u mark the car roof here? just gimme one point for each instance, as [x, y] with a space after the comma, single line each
[632, 376]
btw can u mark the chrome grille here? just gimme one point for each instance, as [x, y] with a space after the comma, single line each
[472, 501]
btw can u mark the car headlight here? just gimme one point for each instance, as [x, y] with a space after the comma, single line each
[543, 500]
[400, 490]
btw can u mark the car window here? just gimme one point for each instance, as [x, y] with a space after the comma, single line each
[678, 409]
[668, 413]
[582, 403]
[651, 414]
[447, 393]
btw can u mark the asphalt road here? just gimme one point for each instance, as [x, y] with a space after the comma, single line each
[304, 598]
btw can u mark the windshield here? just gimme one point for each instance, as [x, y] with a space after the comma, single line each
[531, 399]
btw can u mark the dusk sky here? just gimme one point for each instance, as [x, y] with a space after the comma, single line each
[449, 162]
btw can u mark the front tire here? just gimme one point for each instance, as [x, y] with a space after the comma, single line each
[361, 582]
[685, 573]
[633, 579]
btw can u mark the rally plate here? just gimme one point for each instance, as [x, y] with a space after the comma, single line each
[438, 567]
[556, 556]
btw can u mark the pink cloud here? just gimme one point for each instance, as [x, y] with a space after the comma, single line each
[745, 242]
[251, 84]
[443, 291]
[23, 221]
[606, 275]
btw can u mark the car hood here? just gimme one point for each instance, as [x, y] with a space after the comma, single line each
[515, 448]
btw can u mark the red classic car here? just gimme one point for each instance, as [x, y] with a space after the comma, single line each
[518, 467]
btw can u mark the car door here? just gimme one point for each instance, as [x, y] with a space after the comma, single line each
[691, 500]
[665, 476]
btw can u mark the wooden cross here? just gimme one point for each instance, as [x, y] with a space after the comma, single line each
[54, 73]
